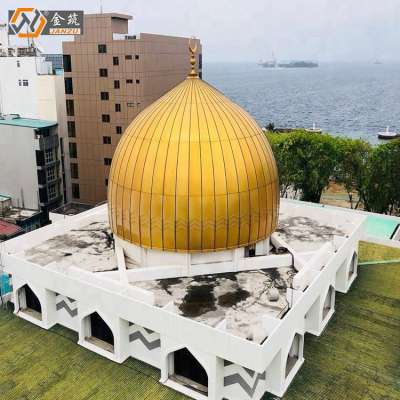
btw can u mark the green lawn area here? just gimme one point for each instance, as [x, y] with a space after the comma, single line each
[357, 357]
[377, 252]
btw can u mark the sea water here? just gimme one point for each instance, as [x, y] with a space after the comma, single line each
[356, 100]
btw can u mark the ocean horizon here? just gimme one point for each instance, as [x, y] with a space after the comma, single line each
[356, 100]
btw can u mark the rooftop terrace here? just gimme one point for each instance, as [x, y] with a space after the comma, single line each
[238, 298]
[239, 303]
[356, 358]
[88, 247]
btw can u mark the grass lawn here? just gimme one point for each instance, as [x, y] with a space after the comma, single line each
[377, 252]
[357, 357]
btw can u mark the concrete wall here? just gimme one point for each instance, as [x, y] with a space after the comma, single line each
[46, 97]
[18, 176]
[37, 100]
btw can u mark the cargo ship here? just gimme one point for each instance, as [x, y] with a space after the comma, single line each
[289, 64]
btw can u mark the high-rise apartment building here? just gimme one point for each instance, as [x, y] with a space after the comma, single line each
[110, 76]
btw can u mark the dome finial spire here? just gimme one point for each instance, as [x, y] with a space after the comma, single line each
[193, 50]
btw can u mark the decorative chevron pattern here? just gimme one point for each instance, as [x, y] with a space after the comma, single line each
[247, 379]
[151, 340]
[67, 304]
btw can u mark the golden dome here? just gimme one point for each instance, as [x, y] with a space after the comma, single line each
[193, 172]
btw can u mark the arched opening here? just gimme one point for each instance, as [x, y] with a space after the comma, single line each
[99, 333]
[185, 369]
[353, 265]
[294, 354]
[29, 302]
[329, 301]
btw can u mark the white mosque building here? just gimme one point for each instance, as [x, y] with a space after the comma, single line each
[195, 266]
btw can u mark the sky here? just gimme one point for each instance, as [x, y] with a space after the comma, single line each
[237, 31]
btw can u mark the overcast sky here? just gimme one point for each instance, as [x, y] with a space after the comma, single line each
[249, 30]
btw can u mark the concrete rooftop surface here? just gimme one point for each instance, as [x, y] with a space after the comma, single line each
[237, 298]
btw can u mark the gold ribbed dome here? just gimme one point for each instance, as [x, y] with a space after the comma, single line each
[193, 172]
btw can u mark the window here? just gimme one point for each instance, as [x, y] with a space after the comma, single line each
[68, 86]
[137, 57]
[71, 128]
[128, 57]
[43, 195]
[52, 192]
[118, 130]
[25, 82]
[74, 171]
[49, 156]
[51, 174]
[41, 174]
[106, 181]
[73, 152]
[18, 63]
[118, 107]
[137, 80]
[75, 191]
[103, 72]
[107, 161]
[129, 81]
[130, 104]
[104, 96]
[102, 48]
[19, 82]
[105, 118]
[70, 108]
[39, 158]
[106, 139]
[67, 63]
[115, 61]
[116, 84]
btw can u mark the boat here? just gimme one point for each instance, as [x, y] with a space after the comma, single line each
[270, 63]
[314, 129]
[388, 135]
[298, 64]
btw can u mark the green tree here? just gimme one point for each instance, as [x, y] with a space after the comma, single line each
[352, 167]
[382, 192]
[284, 161]
[270, 127]
[306, 161]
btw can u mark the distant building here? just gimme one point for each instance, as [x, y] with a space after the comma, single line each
[30, 87]
[30, 170]
[26, 219]
[110, 76]
[56, 62]
[9, 231]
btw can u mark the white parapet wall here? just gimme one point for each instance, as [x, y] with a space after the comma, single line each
[236, 368]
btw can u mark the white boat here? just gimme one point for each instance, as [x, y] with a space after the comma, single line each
[314, 129]
[388, 135]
